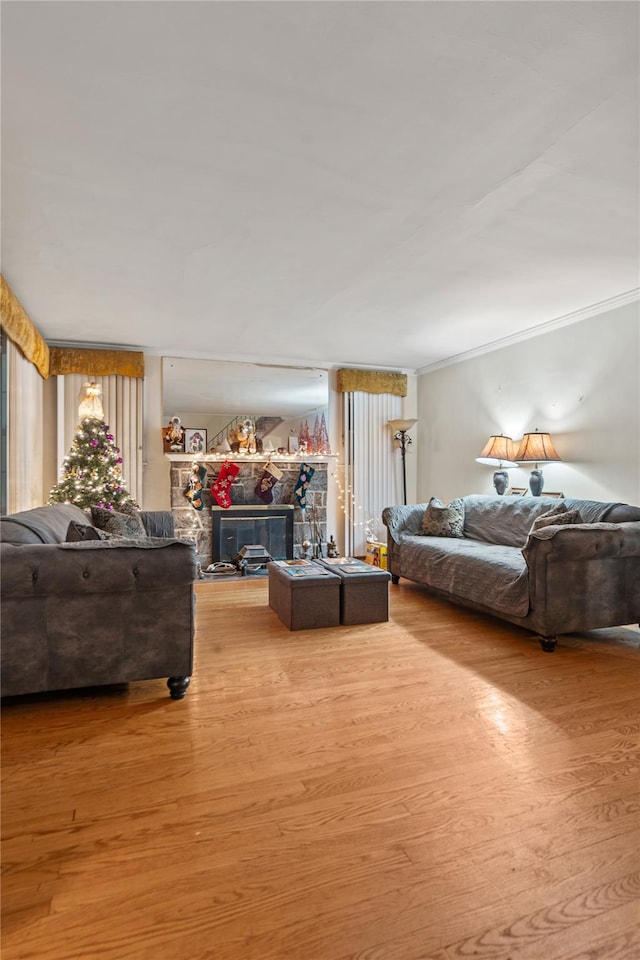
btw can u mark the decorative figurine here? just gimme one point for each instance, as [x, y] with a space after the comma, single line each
[174, 435]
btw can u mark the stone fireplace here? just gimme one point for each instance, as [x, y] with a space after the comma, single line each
[197, 524]
[236, 527]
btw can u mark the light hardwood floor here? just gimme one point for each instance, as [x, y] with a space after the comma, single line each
[432, 788]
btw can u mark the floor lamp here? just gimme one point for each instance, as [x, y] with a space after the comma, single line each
[400, 435]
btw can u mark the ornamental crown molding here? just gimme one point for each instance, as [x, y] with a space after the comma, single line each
[603, 306]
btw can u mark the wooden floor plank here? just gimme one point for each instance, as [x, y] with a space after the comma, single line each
[430, 788]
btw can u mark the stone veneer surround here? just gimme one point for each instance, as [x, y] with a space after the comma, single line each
[196, 524]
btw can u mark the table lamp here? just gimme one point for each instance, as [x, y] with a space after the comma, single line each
[499, 450]
[536, 448]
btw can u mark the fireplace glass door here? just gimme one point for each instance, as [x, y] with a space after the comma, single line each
[237, 527]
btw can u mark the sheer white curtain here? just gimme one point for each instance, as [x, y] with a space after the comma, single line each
[25, 433]
[122, 400]
[371, 481]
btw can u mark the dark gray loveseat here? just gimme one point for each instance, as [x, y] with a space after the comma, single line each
[93, 612]
[555, 580]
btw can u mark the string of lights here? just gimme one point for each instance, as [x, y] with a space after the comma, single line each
[354, 513]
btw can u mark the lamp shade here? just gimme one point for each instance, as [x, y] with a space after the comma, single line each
[400, 425]
[498, 449]
[536, 448]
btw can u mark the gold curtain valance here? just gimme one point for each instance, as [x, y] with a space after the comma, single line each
[96, 363]
[20, 329]
[371, 381]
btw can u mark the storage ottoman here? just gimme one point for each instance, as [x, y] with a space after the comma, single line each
[306, 600]
[364, 590]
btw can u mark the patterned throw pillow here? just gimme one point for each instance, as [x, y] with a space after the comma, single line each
[121, 524]
[129, 508]
[77, 532]
[440, 520]
[549, 518]
[557, 516]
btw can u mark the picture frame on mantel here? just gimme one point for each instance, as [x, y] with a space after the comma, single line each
[195, 440]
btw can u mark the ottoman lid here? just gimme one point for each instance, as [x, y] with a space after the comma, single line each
[352, 569]
[301, 573]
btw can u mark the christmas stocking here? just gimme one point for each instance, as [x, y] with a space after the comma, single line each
[195, 486]
[222, 484]
[304, 479]
[267, 482]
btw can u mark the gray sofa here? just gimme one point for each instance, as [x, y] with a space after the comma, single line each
[93, 612]
[555, 580]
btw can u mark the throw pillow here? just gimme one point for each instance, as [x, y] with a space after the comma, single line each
[554, 518]
[77, 532]
[121, 524]
[440, 520]
[129, 508]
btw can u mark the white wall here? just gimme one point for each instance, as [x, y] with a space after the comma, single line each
[156, 490]
[579, 383]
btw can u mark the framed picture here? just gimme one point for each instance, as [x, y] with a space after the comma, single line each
[524, 492]
[293, 444]
[195, 440]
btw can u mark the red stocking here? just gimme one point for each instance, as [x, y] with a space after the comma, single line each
[222, 484]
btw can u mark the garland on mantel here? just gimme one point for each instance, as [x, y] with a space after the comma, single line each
[293, 458]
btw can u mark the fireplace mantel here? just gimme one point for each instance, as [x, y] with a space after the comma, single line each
[292, 458]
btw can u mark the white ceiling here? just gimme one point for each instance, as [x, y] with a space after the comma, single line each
[377, 183]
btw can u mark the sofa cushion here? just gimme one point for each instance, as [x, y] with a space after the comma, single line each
[442, 520]
[479, 572]
[84, 531]
[505, 520]
[46, 524]
[594, 511]
[158, 523]
[121, 524]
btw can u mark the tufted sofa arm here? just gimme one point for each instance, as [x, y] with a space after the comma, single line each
[584, 576]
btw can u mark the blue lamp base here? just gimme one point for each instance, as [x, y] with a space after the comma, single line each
[501, 482]
[536, 482]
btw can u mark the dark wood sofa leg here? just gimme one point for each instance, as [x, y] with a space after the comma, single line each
[548, 644]
[395, 579]
[178, 687]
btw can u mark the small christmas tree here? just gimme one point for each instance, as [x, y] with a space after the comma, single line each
[92, 475]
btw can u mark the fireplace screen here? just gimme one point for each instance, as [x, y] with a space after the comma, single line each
[239, 526]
